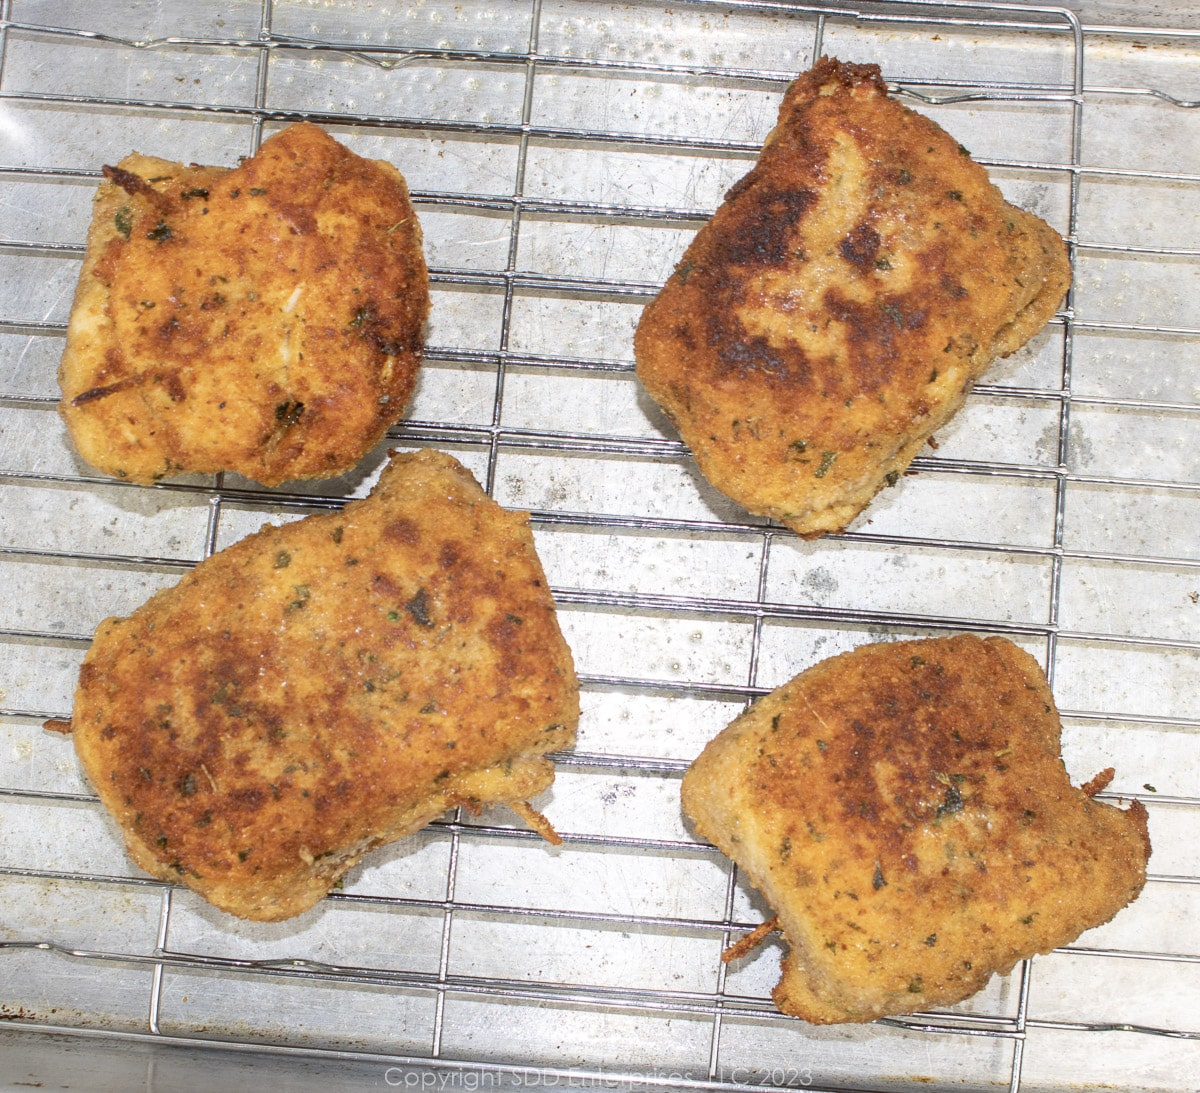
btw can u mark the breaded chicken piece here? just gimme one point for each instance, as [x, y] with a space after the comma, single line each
[840, 304]
[322, 688]
[266, 319]
[904, 809]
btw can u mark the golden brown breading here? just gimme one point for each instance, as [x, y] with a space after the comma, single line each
[265, 320]
[320, 688]
[905, 810]
[841, 303]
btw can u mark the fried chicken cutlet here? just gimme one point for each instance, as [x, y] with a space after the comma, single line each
[322, 688]
[904, 809]
[266, 319]
[840, 304]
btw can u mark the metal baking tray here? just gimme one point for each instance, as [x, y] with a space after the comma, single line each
[562, 153]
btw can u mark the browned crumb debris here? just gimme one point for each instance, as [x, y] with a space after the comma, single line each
[904, 809]
[324, 687]
[749, 942]
[840, 304]
[266, 319]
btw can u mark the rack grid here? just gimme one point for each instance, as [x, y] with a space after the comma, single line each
[561, 153]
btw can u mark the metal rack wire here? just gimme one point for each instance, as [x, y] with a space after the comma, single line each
[560, 155]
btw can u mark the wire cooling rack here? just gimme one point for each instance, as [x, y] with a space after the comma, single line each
[561, 155]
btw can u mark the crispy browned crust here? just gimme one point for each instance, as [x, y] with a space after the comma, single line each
[905, 810]
[266, 319]
[842, 301]
[321, 688]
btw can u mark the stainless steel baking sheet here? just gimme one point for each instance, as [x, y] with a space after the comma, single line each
[562, 153]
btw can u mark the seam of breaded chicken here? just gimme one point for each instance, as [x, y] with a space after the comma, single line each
[265, 319]
[904, 809]
[840, 304]
[327, 686]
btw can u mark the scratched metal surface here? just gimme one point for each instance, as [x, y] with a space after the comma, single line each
[562, 154]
